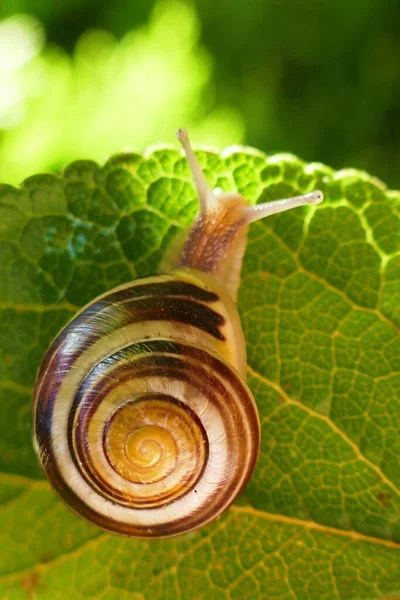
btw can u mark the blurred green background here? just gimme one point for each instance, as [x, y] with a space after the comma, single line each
[86, 78]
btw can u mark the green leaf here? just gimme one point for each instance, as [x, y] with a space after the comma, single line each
[319, 302]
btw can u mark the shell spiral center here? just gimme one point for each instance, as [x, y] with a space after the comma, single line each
[157, 440]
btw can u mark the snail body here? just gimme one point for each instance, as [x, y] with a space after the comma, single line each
[142, 418]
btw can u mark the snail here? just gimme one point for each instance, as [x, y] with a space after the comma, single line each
[142, 418]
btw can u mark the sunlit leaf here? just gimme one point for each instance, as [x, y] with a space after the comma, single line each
[319, 302]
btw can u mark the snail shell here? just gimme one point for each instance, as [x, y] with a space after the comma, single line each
[142, 418]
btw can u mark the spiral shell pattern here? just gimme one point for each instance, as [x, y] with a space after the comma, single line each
[141, 423]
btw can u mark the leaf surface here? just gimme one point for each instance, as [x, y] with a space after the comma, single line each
[319, 303]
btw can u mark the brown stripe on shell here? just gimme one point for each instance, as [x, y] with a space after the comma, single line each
[81, 457]
[105, 315]
[172, 528]
[143, 367]
[105, 308]
[248, 445]
[166, 301]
